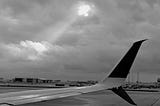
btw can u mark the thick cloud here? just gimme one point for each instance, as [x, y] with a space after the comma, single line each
[47, 39]
[26, 50]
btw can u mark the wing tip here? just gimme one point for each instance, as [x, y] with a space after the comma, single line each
[141, 41]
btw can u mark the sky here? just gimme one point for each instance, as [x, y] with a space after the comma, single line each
[77, 40]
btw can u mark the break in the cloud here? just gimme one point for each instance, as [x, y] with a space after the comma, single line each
[49, 39]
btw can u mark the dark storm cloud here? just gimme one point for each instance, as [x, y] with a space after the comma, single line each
[44, 38]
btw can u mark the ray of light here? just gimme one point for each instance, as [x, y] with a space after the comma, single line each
[80, 9]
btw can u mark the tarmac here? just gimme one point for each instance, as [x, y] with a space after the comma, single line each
[101, 98]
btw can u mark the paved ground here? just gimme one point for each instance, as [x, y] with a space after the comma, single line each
[14, 89]
[104, 98]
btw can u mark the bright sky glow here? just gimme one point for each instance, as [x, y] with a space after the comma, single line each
[83, 10]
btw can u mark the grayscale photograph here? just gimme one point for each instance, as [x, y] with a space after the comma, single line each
[79, 52]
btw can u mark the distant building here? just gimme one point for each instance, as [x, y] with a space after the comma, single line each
[19, 80]
[2, 80]
[60, 84]
[31, 80]
[43, 80]
[158, 80]
[57, 81]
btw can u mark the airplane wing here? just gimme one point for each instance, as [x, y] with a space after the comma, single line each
[31, 96]
[112, 82]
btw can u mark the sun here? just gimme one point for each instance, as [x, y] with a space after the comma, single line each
[84, 10]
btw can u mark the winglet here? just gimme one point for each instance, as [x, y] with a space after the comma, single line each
[120, 72]
[122, 68]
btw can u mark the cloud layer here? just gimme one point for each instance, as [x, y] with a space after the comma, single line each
[46, 38]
